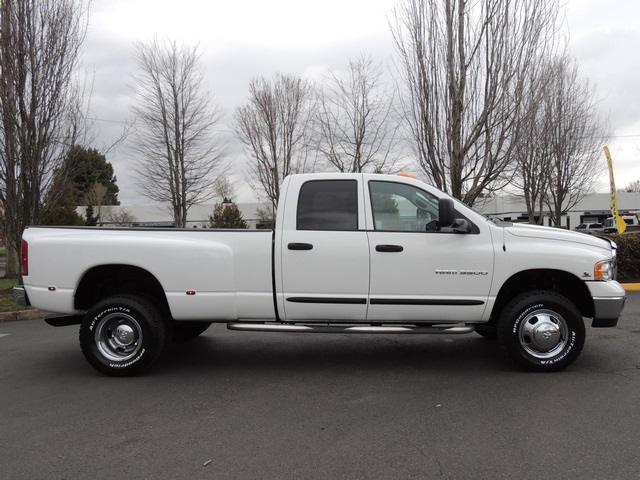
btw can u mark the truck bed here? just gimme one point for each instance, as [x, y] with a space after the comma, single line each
[198, 269]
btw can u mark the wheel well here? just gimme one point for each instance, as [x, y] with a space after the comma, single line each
[106, 280]
[566, 284]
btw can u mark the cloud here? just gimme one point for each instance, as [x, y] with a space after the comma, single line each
[248, 38]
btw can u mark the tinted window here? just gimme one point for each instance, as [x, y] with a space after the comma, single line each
[328, 205]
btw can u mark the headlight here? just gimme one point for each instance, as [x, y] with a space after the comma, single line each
[604, 270]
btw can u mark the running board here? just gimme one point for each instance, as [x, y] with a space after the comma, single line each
[296, 328]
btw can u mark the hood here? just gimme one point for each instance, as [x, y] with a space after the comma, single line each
[559, 234]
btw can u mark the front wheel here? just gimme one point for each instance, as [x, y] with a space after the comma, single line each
[122, 335]
[541, 331]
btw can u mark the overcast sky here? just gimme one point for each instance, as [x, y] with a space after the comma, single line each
[242, 39]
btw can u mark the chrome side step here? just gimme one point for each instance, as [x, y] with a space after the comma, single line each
[307, 328]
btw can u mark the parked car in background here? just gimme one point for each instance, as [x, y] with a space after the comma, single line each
[632, 221]
[590, 228]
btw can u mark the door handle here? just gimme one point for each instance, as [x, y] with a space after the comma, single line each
[389, 248]
[300, 246]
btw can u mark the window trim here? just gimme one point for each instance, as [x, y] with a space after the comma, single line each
[474, 228]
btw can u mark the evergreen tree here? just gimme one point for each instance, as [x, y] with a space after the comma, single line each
[227, 215]
[87, 167]
[63, 210]
[91, 220]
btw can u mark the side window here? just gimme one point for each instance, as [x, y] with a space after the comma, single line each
[401, 207]
[328, 205]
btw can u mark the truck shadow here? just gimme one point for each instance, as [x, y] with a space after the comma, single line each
[220, 350]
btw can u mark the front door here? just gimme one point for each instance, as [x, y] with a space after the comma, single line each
[417, 272]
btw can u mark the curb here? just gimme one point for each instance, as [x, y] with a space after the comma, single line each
[27, 314]
[631, 287]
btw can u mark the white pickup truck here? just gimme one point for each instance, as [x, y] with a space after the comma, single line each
[351, 253]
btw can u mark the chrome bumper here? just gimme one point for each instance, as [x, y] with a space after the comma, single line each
[607, 311]
[608, 303]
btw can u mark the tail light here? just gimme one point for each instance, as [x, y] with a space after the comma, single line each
[24, 258]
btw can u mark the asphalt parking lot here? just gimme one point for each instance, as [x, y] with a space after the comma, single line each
[251, 405]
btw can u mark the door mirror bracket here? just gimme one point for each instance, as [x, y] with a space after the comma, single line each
[446, 217]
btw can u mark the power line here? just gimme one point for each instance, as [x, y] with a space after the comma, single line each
[123, 122]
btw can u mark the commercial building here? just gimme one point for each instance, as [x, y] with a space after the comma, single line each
[592, 208]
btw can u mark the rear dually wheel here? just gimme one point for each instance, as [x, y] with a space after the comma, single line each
[122, 335]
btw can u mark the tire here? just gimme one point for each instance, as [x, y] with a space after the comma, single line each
[187, 330]
[541, 331]
[122, 335]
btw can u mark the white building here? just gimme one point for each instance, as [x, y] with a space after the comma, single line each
[161, 215]
[592, 208]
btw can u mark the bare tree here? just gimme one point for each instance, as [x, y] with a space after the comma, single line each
[463, 65]
[574, 133]
[632, 187]
[178, 151]
[274, 127]
[532, 158]
[225, 189]
[40, 106]
[356, 123]
[95, 198]
[118, 217]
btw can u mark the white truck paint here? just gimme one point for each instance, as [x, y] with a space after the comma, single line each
[350, 253]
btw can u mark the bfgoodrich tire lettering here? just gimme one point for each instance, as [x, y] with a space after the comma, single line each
[541, 331]
[122, 335]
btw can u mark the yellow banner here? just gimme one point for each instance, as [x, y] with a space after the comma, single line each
[614, 197]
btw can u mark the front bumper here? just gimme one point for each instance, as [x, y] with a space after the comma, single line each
[608, 303]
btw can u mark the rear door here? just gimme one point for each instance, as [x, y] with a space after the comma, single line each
[324, 254]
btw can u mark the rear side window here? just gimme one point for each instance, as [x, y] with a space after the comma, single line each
[328, 205]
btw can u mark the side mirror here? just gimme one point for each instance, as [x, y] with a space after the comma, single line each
[446, 217]
[446, 212]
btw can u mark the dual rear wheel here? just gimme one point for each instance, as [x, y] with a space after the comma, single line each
[123, 335]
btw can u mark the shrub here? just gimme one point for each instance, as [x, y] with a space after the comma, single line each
[628, 255]
[227, 215]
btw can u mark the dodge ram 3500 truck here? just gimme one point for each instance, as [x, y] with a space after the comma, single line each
[350, 253]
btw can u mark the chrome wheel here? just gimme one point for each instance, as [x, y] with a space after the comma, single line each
[123, 335]
[543, 333]
[118, 337]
